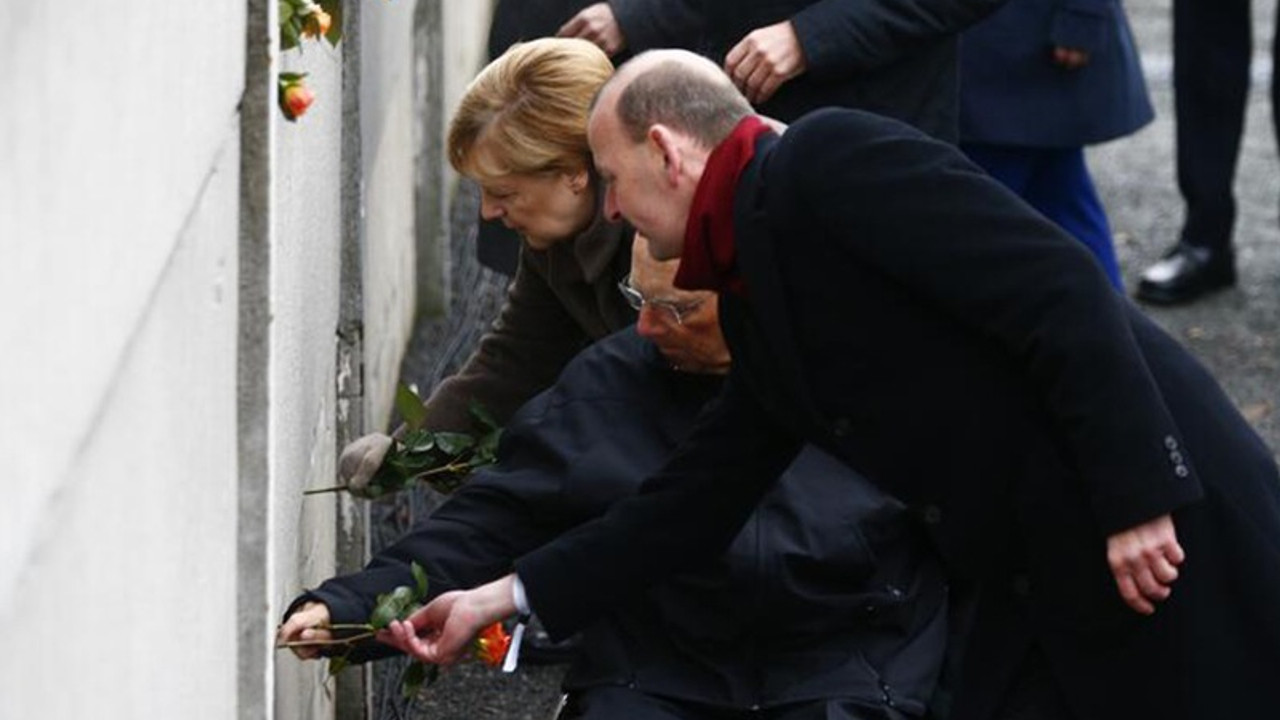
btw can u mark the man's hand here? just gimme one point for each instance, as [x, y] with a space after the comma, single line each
[1144, 561]
[597, 24]
[441, 632]
[308, 623]
[360, 460]
[764, 59]
[1070, 58]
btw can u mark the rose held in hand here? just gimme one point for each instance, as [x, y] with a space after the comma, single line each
[491, 645]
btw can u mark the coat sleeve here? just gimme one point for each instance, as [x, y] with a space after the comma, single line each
[502, 512]
[529, 344]
[916, 211]
[652, 24]
[843, 37]
[687, 512]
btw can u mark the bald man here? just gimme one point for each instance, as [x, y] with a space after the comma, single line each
[887, 301]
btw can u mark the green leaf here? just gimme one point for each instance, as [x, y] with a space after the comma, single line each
[487, 448]
[419, 441]
[410, 407]
[338, 664]
[420, 577]
[286, 11]
[412, 465]
[387, 479]
[454, 443]
[482, 414]
[334, 8]
[414, 676]
[395, 605]
[290, 32]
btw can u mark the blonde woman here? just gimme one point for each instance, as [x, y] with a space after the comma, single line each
[520, 132]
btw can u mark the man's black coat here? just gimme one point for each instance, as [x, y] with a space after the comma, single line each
[920, 322]
[829, 592]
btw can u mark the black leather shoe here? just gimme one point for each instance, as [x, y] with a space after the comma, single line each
[1186, 273]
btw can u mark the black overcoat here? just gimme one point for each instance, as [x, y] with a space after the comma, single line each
[919, 321]
[830, 591]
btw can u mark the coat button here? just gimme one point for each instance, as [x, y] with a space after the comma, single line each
[1181, 471]
[1170, 442]
[842, 427]
[932, 515]
[1176, 457]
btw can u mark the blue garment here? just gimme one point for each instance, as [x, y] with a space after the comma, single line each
[1011, 93]
[1056, 182]
[1025, 119]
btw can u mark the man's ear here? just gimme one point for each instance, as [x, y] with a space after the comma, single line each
[668, 144]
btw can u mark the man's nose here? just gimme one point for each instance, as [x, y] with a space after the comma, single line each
[489, 208]
[650, 324]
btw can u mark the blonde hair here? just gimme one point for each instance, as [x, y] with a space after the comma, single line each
[528, 110]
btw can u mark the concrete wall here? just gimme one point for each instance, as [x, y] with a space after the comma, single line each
[387, 122]
[119, 184]
[178, 273]
[306, 177]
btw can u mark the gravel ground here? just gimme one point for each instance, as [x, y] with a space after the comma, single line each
[1236, 333]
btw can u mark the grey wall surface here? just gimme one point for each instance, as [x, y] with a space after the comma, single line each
[180, 266]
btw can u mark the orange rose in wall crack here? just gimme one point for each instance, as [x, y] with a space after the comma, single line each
[302, 20]
[491, 645]
[316, 23]
[294, 96]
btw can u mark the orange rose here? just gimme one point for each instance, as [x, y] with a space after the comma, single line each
[316, 23]
[294, 97]
[491, 645]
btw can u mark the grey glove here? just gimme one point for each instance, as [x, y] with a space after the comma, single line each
[360, 460]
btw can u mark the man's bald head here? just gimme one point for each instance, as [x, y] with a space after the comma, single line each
[675, 88]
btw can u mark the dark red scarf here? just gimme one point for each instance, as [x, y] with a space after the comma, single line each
[707, 262]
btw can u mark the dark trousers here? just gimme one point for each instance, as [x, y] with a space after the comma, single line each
[1212, 49]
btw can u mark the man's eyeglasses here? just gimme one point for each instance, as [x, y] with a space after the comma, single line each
[677, 310]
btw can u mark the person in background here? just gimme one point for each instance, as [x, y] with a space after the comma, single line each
[1039, 80]
[891, 57]
[827, 605]
[1212, 58]
[520, 132]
